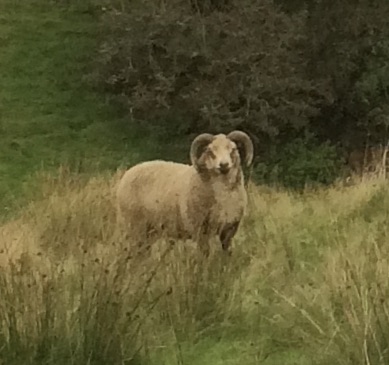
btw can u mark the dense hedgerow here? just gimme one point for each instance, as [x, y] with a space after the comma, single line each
[279, 70]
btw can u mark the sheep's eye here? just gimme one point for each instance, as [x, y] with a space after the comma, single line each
[210, 153]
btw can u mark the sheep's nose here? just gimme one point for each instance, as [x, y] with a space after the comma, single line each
[224, 167]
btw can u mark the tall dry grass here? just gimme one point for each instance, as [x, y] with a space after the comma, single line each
[307, 283]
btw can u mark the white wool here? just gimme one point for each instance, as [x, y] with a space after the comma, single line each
[178, 200]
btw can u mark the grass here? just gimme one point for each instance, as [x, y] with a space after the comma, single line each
[49, 114]
[307, 283]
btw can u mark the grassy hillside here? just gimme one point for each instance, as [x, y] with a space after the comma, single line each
[49, 115]
[306, 284]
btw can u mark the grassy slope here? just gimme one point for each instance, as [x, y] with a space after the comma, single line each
[48, 115]
[306, 284]
[298, 290]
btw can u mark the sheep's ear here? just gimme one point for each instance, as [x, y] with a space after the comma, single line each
[244, 144]
[198, 146]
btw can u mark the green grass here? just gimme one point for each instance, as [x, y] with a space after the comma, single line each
[49, 114]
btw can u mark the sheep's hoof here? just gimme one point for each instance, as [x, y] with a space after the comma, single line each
[225, 246]
[227, 251]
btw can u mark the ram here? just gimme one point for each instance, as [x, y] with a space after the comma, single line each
[197, 202]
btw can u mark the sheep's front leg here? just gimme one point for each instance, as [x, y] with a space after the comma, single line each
[203, 239]
[227, 233]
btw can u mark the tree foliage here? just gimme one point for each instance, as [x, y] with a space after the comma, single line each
[350, 45]
[276, 69]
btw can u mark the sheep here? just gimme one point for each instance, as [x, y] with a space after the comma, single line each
[196, 202]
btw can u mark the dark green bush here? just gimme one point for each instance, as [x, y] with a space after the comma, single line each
[276, 69]
[242, 67]
[349, 47]
[300, 163]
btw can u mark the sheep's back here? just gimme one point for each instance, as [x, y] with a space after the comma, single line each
[153, 189]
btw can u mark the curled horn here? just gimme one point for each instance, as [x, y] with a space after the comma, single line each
[198, 146]
[244, 144]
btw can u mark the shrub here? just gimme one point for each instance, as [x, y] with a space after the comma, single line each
[231, 65]
[301, 162]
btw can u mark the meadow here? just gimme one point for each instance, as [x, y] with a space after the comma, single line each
[50, 114]
[306, 283]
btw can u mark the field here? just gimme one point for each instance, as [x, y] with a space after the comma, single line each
[49, 114]
[307, 282]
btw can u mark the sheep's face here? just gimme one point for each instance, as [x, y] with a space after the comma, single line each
[220, 156]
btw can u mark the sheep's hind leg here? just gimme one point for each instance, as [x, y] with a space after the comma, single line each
[226, 235]
[138, 239]
[146, 235]
[203, 240]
